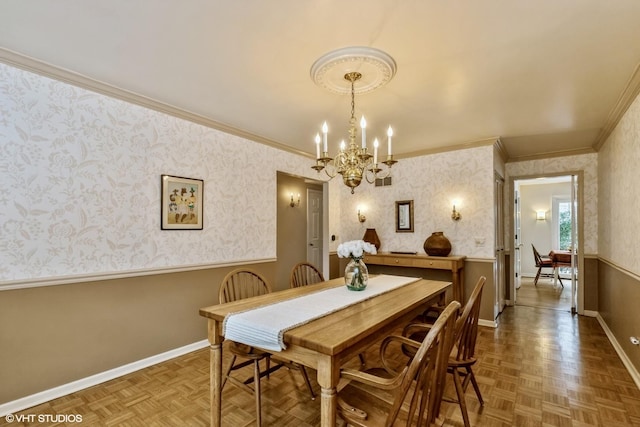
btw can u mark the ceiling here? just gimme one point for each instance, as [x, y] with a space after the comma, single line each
[547, 77]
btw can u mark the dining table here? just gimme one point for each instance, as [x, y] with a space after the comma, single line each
[327, 342]
[560, 259]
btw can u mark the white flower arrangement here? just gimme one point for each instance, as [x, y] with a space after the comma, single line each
[355, 249]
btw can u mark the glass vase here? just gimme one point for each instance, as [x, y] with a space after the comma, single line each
[356, 275]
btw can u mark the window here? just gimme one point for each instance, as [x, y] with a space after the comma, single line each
[562, 223]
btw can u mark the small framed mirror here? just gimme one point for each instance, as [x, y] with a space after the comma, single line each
[404, 216]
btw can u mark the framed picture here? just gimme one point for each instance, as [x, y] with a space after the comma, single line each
[404, 216]
[181, 205]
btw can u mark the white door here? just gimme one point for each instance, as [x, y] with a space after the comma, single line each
[517, 244]
[314, 228]
[499, 244]
[575, 307]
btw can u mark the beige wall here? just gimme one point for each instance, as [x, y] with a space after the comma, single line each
[58, 334]
[292, 226]
[617, 296]
[619, 231]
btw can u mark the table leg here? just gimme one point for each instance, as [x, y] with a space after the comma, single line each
[215, 382]
[328, 375]
[215, 372]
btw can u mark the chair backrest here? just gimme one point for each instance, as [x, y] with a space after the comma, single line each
[467, 323]
[536, 256]
[428, 367]
[240, 284]
[304, 274]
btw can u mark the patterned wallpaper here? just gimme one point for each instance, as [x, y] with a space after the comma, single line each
[81, 177]
[588, 163]
[81, 184]
[619, 195]
[432, 182]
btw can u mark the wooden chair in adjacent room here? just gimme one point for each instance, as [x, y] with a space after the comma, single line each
[303, 274]
[408, 397]
[543, 262]
[462, 356]
[237, 285]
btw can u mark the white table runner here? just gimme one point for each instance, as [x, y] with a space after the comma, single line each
[264, 327]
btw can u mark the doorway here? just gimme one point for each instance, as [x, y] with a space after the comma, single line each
[546, 217]
[301, 224]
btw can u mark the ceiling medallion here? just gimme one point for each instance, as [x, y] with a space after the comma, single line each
[353, 162]
[376, 67]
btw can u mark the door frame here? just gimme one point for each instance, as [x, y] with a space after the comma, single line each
[579, 174]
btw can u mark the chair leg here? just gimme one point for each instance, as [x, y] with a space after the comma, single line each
[226, 374]
[268, 362]
[535, 281]
[362, 361]
[461, 400]
[257, 391]
[475, 384]
[306, 380]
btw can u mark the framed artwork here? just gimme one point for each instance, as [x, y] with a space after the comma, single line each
[404, 216]
[181, 205]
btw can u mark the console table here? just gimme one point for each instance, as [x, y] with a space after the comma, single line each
[455, 264]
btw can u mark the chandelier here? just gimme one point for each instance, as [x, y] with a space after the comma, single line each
[354, 161]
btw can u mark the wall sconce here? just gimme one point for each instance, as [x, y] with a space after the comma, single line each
[294, 203]
[541, 215]
[361, 216]
[455, 215]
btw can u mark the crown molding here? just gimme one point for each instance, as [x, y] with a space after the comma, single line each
[463, 146]
[629, 94]
[501, 150]
[33, 65]
[552, 155]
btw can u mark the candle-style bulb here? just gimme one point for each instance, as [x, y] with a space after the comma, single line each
[325, 129]
[375, 151]
[317, 145]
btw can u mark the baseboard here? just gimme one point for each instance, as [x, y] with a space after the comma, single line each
[590, 313]
[487, 323]
[65, 389]
[623, 356]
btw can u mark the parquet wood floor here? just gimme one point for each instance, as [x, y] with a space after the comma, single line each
[540, 367]
[544, 294]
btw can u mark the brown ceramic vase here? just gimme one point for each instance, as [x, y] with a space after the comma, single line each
[370, 236]
[437, 244]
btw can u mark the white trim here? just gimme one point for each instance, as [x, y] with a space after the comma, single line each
[487, 323]
[623, 356]
[9, 285]
[65, 389]
[590, 313]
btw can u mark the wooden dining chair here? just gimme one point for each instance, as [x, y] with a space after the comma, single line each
[543, 262]
[303, 274]
[237, 285]
[408, 397]
[462, 356]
